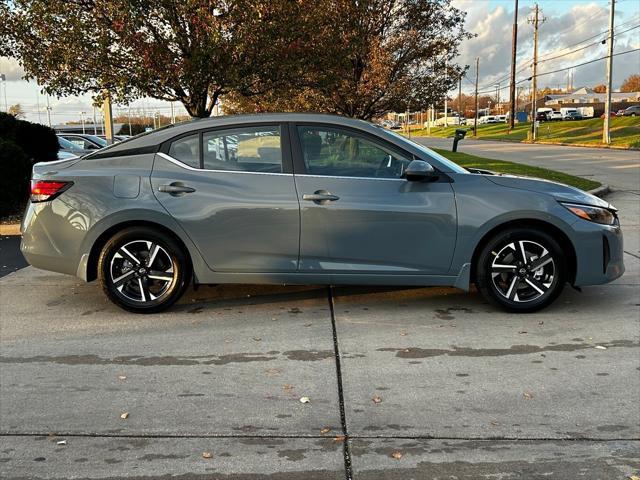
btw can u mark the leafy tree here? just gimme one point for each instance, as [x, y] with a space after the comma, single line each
[376, 56]
[601, 88]
[190, 51]
[631, 84]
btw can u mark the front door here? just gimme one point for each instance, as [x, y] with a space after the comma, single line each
[358, 215]
[234, 195]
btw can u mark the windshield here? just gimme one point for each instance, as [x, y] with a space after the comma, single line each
[100, 141]
[430, 153]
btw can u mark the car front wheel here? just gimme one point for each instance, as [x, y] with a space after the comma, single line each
[521, 270]
[143, 270]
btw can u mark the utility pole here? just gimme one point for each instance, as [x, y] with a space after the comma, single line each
[512, 85]
[108, 117]
[173, 117]
[475, 123]
[606, 133]
[460, 109]
[48, 112]
[129, 119]
[82, 117]
[95, 125]
[536, 20]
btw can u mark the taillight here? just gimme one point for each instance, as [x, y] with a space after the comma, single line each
[44, 190]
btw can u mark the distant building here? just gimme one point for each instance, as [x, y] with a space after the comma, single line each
[584, 95]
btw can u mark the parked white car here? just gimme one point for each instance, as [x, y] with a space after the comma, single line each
[487, 119]
[554, 115]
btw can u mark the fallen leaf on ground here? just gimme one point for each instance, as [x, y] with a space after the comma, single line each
[397, 455]
[273, 371]
[527, 395]
[522, 331]
[257, 339]
[124, 415]
[325, 430]
[634, 477]
[207, 455]
[305, 400]
[122, 377]
[61, 442]
[339, 438]
[403, 334]
[287, 386]
[600, 347]
[376, 399]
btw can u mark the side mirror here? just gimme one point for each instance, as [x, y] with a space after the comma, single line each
[419, 171]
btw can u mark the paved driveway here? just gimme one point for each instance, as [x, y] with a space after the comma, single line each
[619, 168]
[425, 383]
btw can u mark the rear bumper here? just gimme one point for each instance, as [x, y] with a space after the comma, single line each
[54, 250]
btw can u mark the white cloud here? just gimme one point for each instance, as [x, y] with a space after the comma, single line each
[11, 69]
[561, 29]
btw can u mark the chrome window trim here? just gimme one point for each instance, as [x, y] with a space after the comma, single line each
[350, 178]
[189, 167]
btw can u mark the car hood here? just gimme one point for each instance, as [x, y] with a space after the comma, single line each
[559, 191]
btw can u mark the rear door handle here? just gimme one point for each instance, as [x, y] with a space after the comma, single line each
[320, 197]
[176, 189]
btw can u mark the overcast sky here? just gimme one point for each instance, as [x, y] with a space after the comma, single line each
[569, 25]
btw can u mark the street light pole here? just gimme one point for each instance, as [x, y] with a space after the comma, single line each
[48, 112]
[82, 117]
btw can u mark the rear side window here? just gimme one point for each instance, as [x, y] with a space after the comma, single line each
[186, 150]
[247, 149]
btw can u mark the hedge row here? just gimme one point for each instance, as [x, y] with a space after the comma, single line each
[22, 144]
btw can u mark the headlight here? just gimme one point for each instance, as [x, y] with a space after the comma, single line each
[593, 214]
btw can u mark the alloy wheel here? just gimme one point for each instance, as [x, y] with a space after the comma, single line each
[142, 271]
[523, 271]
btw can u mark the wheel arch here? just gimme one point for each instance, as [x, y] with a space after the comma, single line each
[103, 238]
[557, 233]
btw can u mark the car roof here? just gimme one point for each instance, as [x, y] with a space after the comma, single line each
[167, 132]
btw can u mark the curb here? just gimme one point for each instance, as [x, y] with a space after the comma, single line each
[600, 191]
[10, 229]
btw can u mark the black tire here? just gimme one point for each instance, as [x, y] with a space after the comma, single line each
[140, 287]
[505, 280]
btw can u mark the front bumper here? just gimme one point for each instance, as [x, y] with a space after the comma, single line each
[599, 253]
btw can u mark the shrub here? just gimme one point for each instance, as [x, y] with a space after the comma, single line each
[38, 142]
[14, 181]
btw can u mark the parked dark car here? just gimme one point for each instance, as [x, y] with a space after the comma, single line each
[572, 116]
[309, 199]
[541, 117]
[632, 111]
[116, 138]
[85, 140]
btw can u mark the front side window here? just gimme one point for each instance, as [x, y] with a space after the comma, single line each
[186, 150]
[247, 149]
[337, 152]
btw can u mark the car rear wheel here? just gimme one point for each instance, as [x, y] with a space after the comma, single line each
[521, 270]
[143, 270]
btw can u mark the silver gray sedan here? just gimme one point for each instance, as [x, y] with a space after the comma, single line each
[309, 199]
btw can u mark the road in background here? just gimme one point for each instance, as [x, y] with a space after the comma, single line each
[10, 257]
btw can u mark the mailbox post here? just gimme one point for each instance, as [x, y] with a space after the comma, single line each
[460, 134]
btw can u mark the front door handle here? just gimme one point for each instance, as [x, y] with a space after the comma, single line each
[320, 197]
[176, 189]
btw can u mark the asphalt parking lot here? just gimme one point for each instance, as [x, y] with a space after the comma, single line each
[402, 383]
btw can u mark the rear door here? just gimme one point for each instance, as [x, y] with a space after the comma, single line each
[358, 215]
[232, 190]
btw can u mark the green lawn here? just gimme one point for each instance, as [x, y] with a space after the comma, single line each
[512, 168]
[625, 132]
